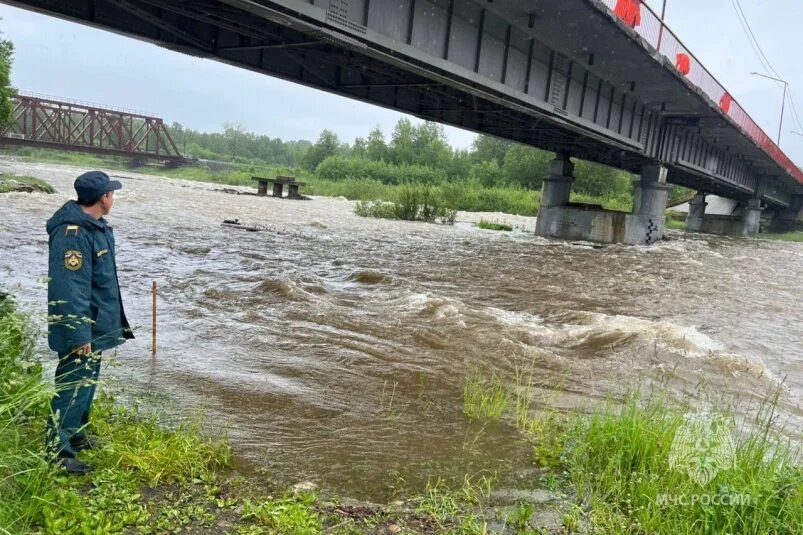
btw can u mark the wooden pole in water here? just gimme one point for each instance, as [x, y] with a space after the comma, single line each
[153, 340]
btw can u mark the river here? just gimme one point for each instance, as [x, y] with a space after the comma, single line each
[335, 348]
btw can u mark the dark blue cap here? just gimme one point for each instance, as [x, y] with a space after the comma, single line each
[93, 185]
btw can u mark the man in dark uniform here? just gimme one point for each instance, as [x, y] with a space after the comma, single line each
[85, 311]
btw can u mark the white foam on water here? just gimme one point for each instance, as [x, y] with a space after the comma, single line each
[509, 317]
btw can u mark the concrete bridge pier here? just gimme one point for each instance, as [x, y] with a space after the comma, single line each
[746, 220]
[790, 218]
[651, 193]
[557, 186]
[560, 218]
[694, 219]
[751, 219]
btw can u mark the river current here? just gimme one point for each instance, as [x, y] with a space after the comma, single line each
[335, 348]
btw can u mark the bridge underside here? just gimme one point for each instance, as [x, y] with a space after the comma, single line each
[488, 67]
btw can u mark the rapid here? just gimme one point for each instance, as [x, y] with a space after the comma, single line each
[335, 348]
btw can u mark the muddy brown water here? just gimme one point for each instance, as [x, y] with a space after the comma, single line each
[335, 348]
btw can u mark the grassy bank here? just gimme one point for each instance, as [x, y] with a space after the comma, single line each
[177, 466]
[656, 465]
[796, 236]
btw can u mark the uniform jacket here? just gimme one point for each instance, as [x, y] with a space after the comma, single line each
[83, 293]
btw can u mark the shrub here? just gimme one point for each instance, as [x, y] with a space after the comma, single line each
[337, 168]
[412, 203]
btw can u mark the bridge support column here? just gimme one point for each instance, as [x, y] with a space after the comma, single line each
[562, 219]
[694, 219]
[789, 219]
[651, 192]
[646, 225]
[557, 187]
[745, 221]
[555, 192]
[751, 220]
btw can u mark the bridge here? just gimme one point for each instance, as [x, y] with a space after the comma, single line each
[45, 122]
[601, 80]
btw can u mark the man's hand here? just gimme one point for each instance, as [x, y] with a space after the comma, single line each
[84, 350]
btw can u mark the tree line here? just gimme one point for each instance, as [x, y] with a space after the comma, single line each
[417, 153]
[6, 91]
[235, 144]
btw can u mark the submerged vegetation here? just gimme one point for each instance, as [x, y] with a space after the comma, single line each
[10, 182]
[484, 399]
[411, 203]
[494, 225]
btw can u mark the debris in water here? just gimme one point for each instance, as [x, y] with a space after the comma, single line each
[235, 223]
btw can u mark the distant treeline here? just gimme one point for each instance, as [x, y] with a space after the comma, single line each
[414, 153]
[235, 144]
[6, 91]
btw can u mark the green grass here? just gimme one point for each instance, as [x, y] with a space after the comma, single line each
[795, 236]
[636, 467]
[494, 225]
[674, 224]
[484, 397]
[11, 182]
[410, 203]
[675, 220]
[138, 453]
[291, 515]
[619, 465]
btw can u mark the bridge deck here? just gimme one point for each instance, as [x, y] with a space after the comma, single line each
[565, 76]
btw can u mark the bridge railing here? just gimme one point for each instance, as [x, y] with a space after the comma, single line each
[658, 34]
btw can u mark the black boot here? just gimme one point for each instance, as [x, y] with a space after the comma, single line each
[84, 442]
[73, 466]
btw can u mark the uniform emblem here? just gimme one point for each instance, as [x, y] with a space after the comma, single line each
[73, 260]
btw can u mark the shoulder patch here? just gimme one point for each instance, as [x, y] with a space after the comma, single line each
[71, 229]
[73, 260]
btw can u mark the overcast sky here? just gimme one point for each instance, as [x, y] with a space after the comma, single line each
[68, 60]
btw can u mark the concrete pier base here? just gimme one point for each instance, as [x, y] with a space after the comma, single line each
[694, 219]
[789, 219]
[561, 219]
[745, 222]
